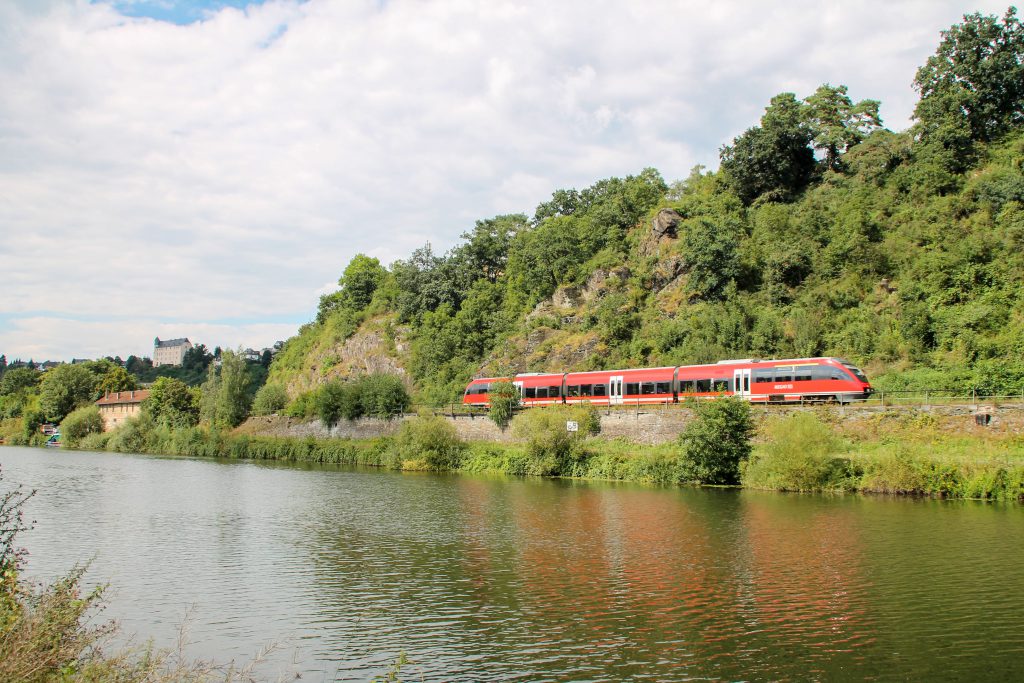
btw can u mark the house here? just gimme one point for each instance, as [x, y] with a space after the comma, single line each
[118, 406]
[170, 352]
[252, 355]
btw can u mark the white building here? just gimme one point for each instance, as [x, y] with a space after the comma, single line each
[170, 352]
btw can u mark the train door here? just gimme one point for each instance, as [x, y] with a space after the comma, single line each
[519, 388]
[615, 391]
[741, 383]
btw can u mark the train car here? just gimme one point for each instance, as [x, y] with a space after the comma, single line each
[478, 391]
[620, 387]
[758, 381]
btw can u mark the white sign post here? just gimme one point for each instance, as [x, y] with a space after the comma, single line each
[572, 426]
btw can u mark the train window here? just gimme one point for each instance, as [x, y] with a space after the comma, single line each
[703, 385]
[572, 390]
[632, 388]
[586, 390]
[542, 392]
[554, 392]
[664, 388]
[647, 388]
[765, 375]
[804, 374]
[720, 385]
[836, 373]
[600, 390]
[529, 392]
[783, 374]
[686, 386]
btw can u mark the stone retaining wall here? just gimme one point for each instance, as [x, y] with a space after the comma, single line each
[648, 425]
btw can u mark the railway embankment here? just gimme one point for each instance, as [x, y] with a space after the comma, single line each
[654, 425]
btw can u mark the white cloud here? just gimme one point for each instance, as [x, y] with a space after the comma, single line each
[226, 169]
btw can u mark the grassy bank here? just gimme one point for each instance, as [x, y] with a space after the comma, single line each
[907, 453]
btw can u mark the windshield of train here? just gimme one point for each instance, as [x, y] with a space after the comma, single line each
[854, 369]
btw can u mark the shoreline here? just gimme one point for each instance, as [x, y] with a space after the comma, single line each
[908, 452]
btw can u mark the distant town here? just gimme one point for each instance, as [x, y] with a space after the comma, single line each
[167, 353]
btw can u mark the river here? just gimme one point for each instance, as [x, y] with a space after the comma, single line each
[479, 578]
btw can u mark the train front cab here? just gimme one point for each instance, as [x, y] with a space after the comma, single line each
[801, 380]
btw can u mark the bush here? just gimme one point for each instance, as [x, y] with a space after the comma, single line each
[382, 395]
[133, 436]
[799, 455]
[336, 399]
[716, 441]
[269, 399]
[304, 406]
[428, 442]
[550, 448]
[79, 424]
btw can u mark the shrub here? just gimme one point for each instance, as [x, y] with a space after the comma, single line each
[269, 399]
[428, 442]
[382, 395]
[133, 436]
[716, 441]
[550, 448]
[504, 397]
[799, 455]
[79, 424]
[335, 400]
[304, 405]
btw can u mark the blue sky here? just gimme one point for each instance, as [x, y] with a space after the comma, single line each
[177, 12]
[207, 169]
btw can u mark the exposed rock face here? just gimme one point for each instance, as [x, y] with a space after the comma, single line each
[665, 223]
[664, 228]
[365, 352]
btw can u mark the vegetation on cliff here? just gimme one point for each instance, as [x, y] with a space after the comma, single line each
[821, 233]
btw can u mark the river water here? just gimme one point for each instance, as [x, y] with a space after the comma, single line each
[530, 580]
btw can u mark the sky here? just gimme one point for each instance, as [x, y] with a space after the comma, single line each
[207, 169]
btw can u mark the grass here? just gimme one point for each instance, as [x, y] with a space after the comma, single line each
[905, 452]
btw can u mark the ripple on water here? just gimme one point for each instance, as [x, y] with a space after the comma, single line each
[533, 580]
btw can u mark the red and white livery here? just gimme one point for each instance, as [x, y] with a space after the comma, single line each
[759, 381]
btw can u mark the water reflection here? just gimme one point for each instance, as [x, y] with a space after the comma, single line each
[479, 578]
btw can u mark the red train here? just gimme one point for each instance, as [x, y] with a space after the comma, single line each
[759, 381]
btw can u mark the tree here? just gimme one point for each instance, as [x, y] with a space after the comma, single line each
[504, 399]
[710, 248]
[64, 388]
[837, 123]
[716, 441]
[80, 423]
[774, 159]
[226, 393]
[3, 364]
[117, 379]
[269, 399]
[974, 82]
[485, 253]
[171, 402]
[17, 379]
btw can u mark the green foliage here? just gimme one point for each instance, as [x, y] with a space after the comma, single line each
[225, 394]
[117, 379]
[551, 449]
[429, 443]
[269, 399]
[17, 380]
[377, 395]
[717, 440]
[361, 278]
[837, 123]
[774, 159]
[79, 424]
[800, 453]
[504, 399]
[64, 388]
[974, 83]
[171, 402]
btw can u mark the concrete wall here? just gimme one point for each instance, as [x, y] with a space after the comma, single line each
[652, 425]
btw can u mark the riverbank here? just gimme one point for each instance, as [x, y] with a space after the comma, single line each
[906, 452]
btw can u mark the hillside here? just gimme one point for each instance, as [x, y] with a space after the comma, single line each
[822, 233]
